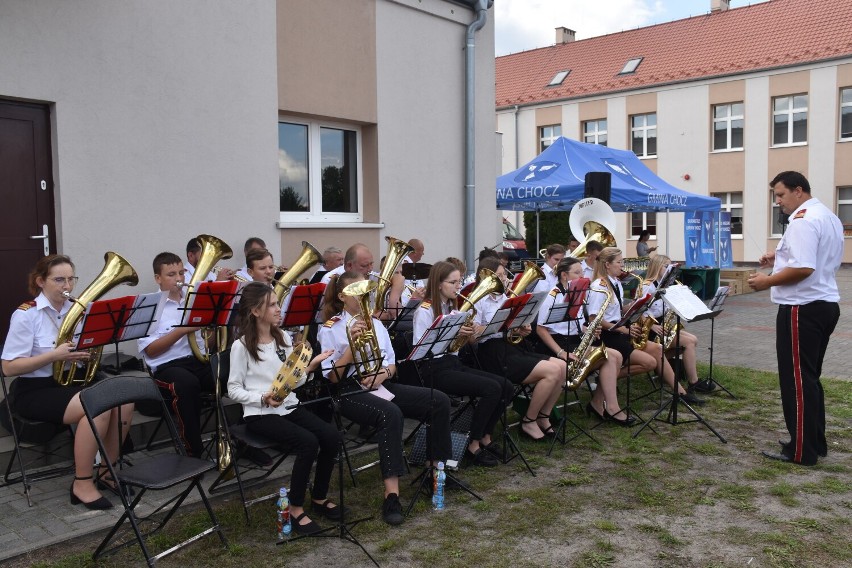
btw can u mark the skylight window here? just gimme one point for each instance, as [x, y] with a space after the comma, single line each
[630, 66]
[558, 78]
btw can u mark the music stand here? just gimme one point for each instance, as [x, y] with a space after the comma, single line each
[435, 342]
[560, 312]
[301, 306]
[688, 307]
[715, 304]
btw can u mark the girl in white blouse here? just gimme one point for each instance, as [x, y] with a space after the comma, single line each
[256, 358]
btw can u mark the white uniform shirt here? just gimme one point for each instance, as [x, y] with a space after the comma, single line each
[549, 281]
[485, 310]
[167, 321]
[588, 271]
[327, 276]
[190, 270]
[332, 335]
[568, 327]
[423, 318]
[596, 300]
[243, 273]
[33, 331]
[814, 239]
[658, 308]
[249, 380]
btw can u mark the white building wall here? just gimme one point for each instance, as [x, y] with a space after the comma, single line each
[163, 118]
[571, 121]
[822, 120]
[424, 129]
[758, 114]
[683, 147]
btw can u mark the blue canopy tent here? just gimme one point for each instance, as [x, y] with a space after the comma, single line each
[555, 180]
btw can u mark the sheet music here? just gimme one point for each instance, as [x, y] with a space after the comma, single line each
[497, 322]
[558, 313]
[439, 336]
[684, 302]
[144, 309]
[529, 312]
[638, 307]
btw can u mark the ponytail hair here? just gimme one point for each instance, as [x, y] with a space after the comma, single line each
[332, 304]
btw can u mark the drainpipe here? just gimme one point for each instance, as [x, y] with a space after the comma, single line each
[517, 165]
[481, 8]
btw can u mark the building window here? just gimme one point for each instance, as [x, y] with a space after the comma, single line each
[733, 203]
[643, 134]
[594, 132]
[558, 78]
[642, 221]
[728, 126]
[777, 227]
[630, 66]
[790, 120]
[548, 135]
[319, 170]
[846, 113]
[844, 209]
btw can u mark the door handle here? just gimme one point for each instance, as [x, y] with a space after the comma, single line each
[35, 237]
[45, 237]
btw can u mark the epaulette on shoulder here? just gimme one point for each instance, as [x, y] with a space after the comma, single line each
[800, 214]
[332, 321]
[27, 305]
[554, 292]
[602, 281]
[425, 305]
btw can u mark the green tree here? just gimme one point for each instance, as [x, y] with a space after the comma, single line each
[554, 229]
[290, 200]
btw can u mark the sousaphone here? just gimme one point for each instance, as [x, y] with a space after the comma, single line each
[595, 220]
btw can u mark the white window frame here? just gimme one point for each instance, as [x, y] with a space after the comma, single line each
[774, 209]
[644, 130]
[790, 112]
[316, 215]
[837, 210]
[593, 137]
[840, 114]
[635, 237]
[548, 138]
[728, 128]
[728, 205]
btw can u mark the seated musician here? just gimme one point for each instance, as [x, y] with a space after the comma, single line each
[552, 255]
[687, 341]
[251, 243]
[260, 266]
[520, 366]
[193, 253]
[593, 249]
[29, 354]
[167, 354]
[368, 408]
[563, 338]
[256, 358]
[650, 358]
[448, 374]
[358, 259]
[332, 257]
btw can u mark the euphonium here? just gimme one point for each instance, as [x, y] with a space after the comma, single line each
[213, 250]
[397, 251]
[116, 271]
[531, 273]
[366, 353]
[309, 257]
[671, 328]
[578, 369]
[489, 283]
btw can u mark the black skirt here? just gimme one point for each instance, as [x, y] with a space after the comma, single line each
[502, 358]
[42, 398]
[618, 341]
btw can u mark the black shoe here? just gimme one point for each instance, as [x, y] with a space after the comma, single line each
[392, 510]
[703, 386]
[590, 410]
[105, 482]
[99, 504]
[782, 457]
[308, 528]
[785, 445]
[626, 421]
[690, 398]
[331, 513]
[495, 449]
[482, 457]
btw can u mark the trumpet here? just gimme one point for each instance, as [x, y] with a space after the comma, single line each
[217, 269]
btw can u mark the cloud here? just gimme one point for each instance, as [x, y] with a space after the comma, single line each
[527, 24]
[292, 172]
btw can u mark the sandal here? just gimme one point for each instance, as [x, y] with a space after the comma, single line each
[549, 431]
[525, 420]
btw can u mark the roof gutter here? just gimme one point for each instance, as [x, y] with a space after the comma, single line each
[481, 8]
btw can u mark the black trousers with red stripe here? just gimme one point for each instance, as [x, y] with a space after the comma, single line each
[801, 338]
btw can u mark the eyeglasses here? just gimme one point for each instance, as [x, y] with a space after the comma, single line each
[453, 282]
[60, 280]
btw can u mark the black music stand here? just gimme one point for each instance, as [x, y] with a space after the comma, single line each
[301, 306]
[342, 527]
[715, 304]
[687, 306]
[561, 312]
[435, 342]
[636, 310]
[112, 321]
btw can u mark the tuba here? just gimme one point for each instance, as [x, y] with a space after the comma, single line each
[309, 257]
[531, 273]
[397, 251]
[116, 271]
[578, 369]
[367, 356]
[489, 283]
[213, 250]
[595, 220]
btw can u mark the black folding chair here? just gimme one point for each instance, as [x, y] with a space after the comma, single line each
[155, 473]
[33, 436]
[242, 442]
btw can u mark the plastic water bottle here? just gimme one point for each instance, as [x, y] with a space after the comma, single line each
[438, 489]
[284, 526]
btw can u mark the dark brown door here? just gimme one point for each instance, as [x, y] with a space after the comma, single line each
[26, 200]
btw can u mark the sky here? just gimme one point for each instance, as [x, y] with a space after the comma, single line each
[528, 24]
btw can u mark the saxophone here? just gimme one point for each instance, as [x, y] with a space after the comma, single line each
[578, 369]
[646, 322]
